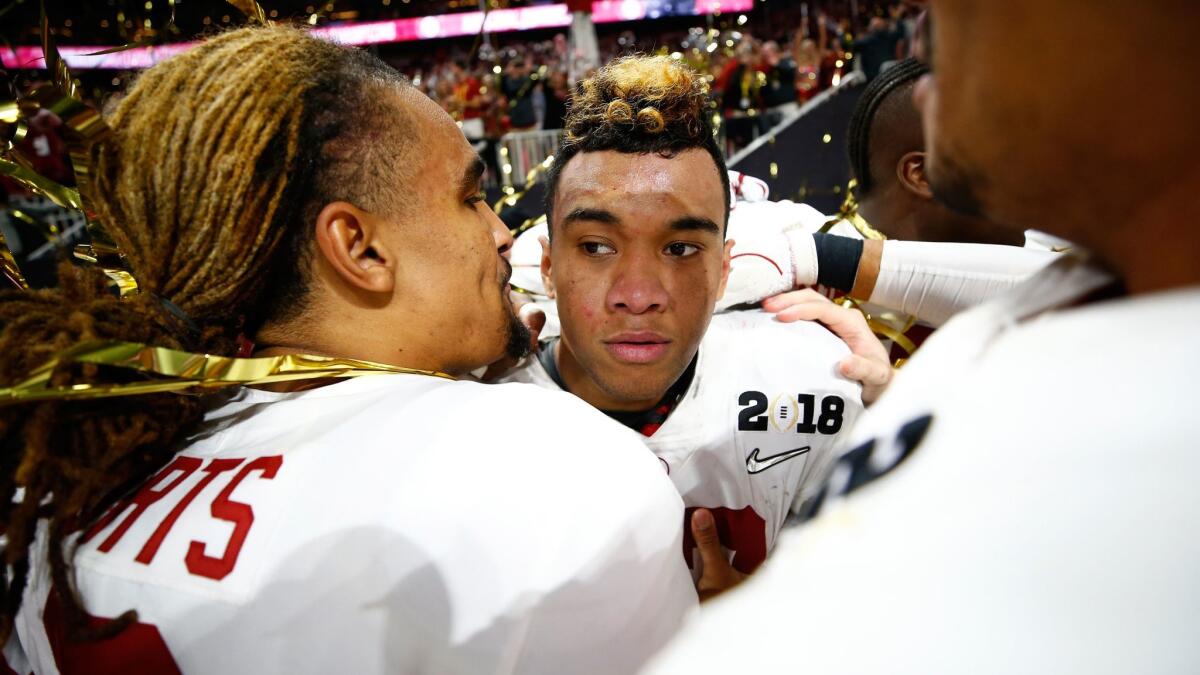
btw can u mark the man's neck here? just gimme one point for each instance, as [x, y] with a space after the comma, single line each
[346, 342]
[1158, 248]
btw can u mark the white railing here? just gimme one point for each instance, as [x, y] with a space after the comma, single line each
[520, 152]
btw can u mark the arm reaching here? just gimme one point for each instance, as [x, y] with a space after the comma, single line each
[777, 250]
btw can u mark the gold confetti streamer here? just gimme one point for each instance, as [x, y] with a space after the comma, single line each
[529, 224]
[530, 177]
[66, 197]
[8, 266]
[171, 370]
[252, 10]
[12, 125]
[849, 213]
[883, 329]
[85, 127]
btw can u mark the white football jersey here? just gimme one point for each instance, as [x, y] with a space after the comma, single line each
[1022, 500]
[387, 524]
[755, 429]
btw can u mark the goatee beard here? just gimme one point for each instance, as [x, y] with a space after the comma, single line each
[518, 339]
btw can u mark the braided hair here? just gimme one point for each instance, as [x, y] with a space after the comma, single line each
[638, 104]
[218, 159]
[892, 85]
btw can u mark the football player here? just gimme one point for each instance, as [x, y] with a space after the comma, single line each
[270, 183]
[742, 412]
[1023, 499]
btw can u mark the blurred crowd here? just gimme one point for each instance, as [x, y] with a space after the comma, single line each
[760, 72]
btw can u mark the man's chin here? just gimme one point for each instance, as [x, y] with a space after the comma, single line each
[519, 338]
[956, 187]
[636, 382]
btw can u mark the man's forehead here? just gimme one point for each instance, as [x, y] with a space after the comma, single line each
[611, 177]
[441, 147]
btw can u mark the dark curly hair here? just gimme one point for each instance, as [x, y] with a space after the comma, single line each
[639, 104]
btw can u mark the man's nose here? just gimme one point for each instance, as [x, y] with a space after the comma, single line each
[637, 289]
[500, 233]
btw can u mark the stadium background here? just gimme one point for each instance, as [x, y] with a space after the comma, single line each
[784, 79]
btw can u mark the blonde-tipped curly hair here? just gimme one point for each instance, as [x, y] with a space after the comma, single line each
[639, 104]
[648, 95]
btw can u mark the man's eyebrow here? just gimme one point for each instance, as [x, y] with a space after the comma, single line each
[592, 215]
[472, 175]
[695, 223]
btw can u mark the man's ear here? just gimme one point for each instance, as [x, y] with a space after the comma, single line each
[910, 171]
[547, 282]
[349, 240]
[725, 259]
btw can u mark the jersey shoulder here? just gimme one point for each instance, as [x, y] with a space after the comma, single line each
[757, 336]
[544, 426]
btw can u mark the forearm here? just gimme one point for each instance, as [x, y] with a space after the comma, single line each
[777, 251]
[931, 281]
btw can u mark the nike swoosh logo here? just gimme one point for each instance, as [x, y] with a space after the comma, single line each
[754, 464]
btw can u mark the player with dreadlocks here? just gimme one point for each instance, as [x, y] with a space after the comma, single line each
[272, 184]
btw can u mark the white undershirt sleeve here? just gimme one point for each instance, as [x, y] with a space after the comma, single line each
[934, 281]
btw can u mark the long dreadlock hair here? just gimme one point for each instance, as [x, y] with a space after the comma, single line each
[638, 104]
[897, 80]
[218, 159]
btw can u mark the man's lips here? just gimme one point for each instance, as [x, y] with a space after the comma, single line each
[637, 347]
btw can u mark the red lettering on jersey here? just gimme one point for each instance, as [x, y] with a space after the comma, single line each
[743, 531]
[145, 497]
[137, 649]
[146, 556]
[242, 517]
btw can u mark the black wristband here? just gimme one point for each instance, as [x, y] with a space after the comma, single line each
[837, 260]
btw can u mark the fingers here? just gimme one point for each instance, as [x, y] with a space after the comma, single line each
[535, 320]
[873, 374]
[782, 301]
[868, 362]
[718, 574]
[704, 531]
[848, 324]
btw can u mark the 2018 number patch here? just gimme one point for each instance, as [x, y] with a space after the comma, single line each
[804, 412]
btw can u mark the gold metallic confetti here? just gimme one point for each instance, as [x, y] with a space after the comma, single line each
[849, 213]
[66, 197]
[84, 127]
[883, 329]
[252, 10]
[529, 224]
[12, 124]
[171, 370]
[883, 326]
[513, 196]
[8, 266]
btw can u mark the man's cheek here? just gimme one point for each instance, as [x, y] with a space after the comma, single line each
[579, 300]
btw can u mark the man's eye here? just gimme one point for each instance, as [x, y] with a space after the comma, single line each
[596, 248]
[476, 198]
[681, 249]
